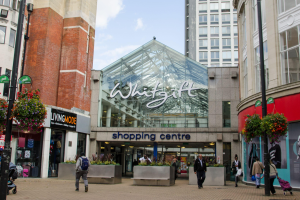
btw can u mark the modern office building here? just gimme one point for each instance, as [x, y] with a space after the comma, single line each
[158, 102]
[211, 32]
[281, 30]
[58, 57]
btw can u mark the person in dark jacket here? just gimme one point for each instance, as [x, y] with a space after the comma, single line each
[175, 164]
[200, 169]
[236, 165]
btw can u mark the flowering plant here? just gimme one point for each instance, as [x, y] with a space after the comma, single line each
[29, 112]
[275, 125]
[3, 114]
[252, 127]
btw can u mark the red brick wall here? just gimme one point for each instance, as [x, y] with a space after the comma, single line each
[42, 60]
[52, 48]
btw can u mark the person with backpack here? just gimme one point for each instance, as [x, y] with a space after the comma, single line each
[82, 168]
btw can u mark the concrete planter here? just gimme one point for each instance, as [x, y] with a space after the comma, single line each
[109, 174]
[154, 175]
[66, 171]
[215, 176]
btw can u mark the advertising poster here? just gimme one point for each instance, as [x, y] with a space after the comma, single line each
[183, 165]
[294, 149]
[252, 151]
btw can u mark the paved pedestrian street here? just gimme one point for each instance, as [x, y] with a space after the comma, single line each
[52, 188]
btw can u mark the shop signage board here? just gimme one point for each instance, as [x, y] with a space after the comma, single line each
[185, 86]
[257, 103]
[270, 100]
[151, 137]
[63, 120]
[4, 79]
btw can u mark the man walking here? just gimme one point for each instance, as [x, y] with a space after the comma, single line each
[200, 169]
[236, 165]
[82, 168]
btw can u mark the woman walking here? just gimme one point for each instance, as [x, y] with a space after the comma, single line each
[273, 175]
[257, 170]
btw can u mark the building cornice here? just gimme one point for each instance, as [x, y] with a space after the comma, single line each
[237, 4]
[276, 92]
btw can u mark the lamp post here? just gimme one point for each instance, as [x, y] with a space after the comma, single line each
[264, 101]
[7, 151]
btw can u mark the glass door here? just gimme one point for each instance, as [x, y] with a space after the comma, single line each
[56, 153]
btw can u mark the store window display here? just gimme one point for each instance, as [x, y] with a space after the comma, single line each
[56, 152]
[28, 154]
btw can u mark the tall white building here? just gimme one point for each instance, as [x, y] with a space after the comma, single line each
[211, 32]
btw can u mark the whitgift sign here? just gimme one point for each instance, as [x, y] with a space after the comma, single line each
[186, 86]
[151, 137]
[63, 120]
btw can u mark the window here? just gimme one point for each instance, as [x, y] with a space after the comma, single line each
[202, 8]
[15, 4]
[226, 114]
[226, 7]
[214, 19]
[226, 19]
[5, 2]
[244, 28]
[257, 67]
[203, 32]
[263, 14]
[214, 31]
[214, 7]
[203, 44]
[226, 55]
[202, 56]
[284, 5]
[2, 34]
[12, 38]
[226, 30]
[236, 56]
[214, 43]
[235, 30]
[215, 65]
[6, 85]
[234, 18]
[203, 19]
[81, 143]
[236, 43]
[214, 56]
[289, 53]
[245, 78]
[226, 43]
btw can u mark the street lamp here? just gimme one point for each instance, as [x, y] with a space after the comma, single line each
[264, 101]
[7, 152]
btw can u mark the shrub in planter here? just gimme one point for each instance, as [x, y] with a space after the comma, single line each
[3, 114]
[29, 112]
[275, 125]
[252, 127]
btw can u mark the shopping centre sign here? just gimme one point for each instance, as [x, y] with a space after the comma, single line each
[164, 95]
[152, 137]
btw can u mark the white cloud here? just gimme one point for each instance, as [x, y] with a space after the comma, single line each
[106, 58]
[107, 10]
[102, 37]
[139, 24]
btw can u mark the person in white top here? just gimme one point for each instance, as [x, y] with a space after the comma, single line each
[144, 159]
[236, 165]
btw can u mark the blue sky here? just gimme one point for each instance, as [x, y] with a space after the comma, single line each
[124, 25]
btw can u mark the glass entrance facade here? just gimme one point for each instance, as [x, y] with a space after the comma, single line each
[154, 86]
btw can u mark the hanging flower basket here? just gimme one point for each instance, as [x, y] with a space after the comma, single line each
[252, 127]
[29, 112]
[275, 125]
[3, 114]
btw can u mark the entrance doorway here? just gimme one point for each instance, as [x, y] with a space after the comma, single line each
[56, 153]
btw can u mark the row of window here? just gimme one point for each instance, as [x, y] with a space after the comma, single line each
[214, 19]
[214, 31]
[214, 7]
[285, 5]
[15, 4]
[215, 56]
[226, 43]
[12, 36]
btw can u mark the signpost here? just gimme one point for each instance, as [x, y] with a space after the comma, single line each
[270, 100]
[25, 80]
[4, 79]
[257, 103]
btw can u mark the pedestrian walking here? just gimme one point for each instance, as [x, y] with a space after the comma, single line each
[82, 168]
[200, 169]
[175, 164]
[257, 170]
[273, 175]
[236, 165]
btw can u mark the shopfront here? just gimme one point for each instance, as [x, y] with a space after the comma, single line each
[154, 102]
